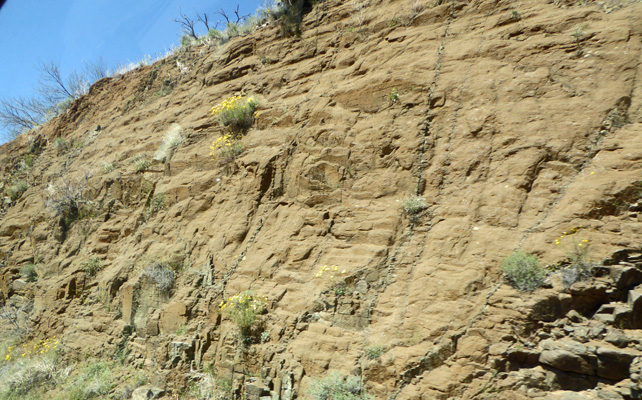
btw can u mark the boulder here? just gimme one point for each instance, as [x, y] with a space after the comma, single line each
[147, 393]
[255, 389]
[566, 361]
[613, 363]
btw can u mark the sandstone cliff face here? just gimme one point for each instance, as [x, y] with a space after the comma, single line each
[515, 121]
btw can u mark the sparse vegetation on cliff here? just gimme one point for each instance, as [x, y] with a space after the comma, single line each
[414, 205]
[15, 191]
[314, 210]
[523, 271]
[172, 139]
[336, 386]
[162, 276]
[141, 164]
[236, 112]
[92, 266]
[242, 309]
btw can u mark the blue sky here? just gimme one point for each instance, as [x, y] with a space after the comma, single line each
[71, 32]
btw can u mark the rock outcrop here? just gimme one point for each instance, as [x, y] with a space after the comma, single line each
[514, 121]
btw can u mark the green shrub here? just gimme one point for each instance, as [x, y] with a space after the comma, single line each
[236, 112]
[243, 309]
[393, 97]
[186, 41]
[28, 272]
[60, 145]
[414, 205]
[156, 204]
[338, 387]
[214, 34]
[374, 352]
[16, 190]
[523, 272]
[26, 163]
[92, 266]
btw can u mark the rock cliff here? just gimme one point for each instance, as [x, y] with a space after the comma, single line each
[514, 122]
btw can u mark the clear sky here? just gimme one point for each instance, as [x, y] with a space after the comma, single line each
[71, 32]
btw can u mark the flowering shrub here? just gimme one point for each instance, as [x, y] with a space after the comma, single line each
[28, 368]
[226, 148]
[577, 251]
[522, 271]
[38, 348]
[332, 272]
[236, 112]
[243, 309]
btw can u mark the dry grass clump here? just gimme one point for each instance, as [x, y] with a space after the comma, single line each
[65, 198]
[414, 205]
[162, 276]
[172, 139]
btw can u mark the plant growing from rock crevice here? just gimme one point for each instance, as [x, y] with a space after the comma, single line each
[16, 190]
[92, 266]
[243, 309]
[29, 273]
[172, 139]
[66, 200]
[141, 164]
[336, 386]
[162, 276]
[577, 251]
[225, 149]
[236, 113]
[414, 205]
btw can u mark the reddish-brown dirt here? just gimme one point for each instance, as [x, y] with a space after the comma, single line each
[515, 121]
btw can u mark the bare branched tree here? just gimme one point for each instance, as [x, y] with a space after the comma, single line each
[96, 70]
[20, 114]
[188, 25]
[205, 20]
[55, 93]
[52, 86]
[239, 17]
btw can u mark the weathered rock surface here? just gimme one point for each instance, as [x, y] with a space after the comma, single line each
[515, 121]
